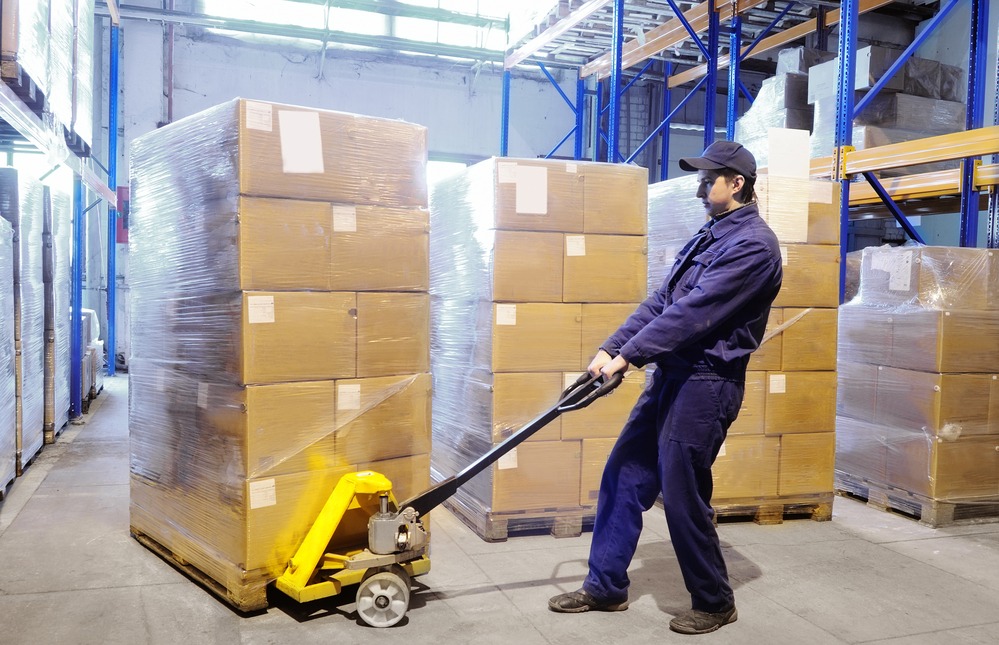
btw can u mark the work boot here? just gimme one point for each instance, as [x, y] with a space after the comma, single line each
[578, 601]
[702, 622]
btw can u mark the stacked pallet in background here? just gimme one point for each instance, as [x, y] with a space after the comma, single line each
[58, 324]
[778, 457]
[8, 378]
[24, 41]
[923, 99]
[22, 204]
[534, 263]
[280, 334]
[918, 413]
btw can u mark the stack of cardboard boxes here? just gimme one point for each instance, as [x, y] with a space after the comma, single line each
[58, 325]
[280, 332]
[534, 263]
[781, 447]
[21, 203]
[8, 387]
[919, 349]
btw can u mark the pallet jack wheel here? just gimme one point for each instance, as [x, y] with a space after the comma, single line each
[383, 596]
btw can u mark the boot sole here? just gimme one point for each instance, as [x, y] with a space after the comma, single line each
[578, 610]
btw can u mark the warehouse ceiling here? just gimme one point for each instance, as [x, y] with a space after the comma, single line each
[491, 31]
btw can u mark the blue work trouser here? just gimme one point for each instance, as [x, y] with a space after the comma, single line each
[668, 445]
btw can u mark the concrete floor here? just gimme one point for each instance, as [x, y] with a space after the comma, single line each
[72, 574]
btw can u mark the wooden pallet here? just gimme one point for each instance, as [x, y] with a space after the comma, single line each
[23, 85]
[50, 432]
[934, 513]
[75, 143]
[6, 486]
[498, 526]
[248, 598]
[817, 507]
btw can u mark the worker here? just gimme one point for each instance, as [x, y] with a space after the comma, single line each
[699, 329]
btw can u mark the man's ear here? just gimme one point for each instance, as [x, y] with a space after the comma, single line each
[738, 182]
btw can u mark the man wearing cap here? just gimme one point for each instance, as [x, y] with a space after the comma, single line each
[699, 329]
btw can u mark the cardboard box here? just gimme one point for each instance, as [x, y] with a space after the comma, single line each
[600, 321]
[516, 399]
[536, 194]
[864, 334]
[811, 276]
[800, 211]
[871, 64]
[809, 343]
[410, 476]
[382, 418]
[856, 387]
[770, 353]
[746, 467]
[296, 336]
[800, 402]
[537, 475]
[752, 418]
[950, 406]
[393, 333]
[994, 402]
[934, 277]
[605, 417]
[806, 463]
[862, 449]
[945, 470]
[605, 268]
[536, 337]
[527, 266]
[303, 153]
[615, 198]
[595, 453]
[945, 341]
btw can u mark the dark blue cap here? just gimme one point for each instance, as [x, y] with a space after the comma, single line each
[723, 154]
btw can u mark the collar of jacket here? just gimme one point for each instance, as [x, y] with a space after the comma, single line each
[734, 219]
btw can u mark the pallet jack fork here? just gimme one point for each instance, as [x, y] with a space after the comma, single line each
[397, 541]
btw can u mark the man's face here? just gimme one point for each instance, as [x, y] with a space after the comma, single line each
[717, 194]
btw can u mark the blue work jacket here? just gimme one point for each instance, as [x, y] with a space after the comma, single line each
[711, 311]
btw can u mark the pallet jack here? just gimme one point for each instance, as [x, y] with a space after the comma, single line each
[396, 539]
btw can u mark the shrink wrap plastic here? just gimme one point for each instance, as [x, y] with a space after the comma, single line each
[277, 343]
[521, 297]
[62, 43]
[919, 358]
[8, 378]
[24, 32]
[58, 324]
[780, 103]
[22, 204]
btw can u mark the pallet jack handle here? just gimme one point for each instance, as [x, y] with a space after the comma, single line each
[577, 396]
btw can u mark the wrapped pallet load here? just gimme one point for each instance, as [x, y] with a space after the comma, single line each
[24, 40]
[280, 334]
[8, 402]
[534, 263]
[58, 324]
[22, 203]
[918, 411]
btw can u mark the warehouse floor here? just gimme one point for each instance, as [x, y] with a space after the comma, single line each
[72, 574]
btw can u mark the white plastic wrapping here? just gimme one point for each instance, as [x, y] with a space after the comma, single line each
[675, 215]
[277, 342]
[83, 83]
[781, 103]
[24, 31]
[58, 324]
[21, 203]
[8, 403]
[919, 355]
[61, 43]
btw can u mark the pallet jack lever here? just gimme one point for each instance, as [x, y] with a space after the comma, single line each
[579, 395]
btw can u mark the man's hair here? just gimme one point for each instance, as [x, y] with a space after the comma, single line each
[747, 194]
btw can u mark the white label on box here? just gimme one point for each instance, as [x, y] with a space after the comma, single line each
[260, 309]
[783, 256]
[301, 142]
[569, 379]
[203, 395]
[262, 494]
[344, 218]
[721, 451]
[259, 116]
[575, 245]
[508, 461]
[506, 172]
[900, 272]
[820, 192]
[532, 190]
[506, 314]
[788, 153]
[348, 396]
[778, 383]
[571, 167]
